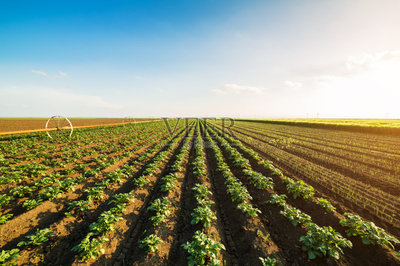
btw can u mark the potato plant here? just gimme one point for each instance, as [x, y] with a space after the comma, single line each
[203, 250]
[38, 238]
[235, 188]
[370, 233]
[6, 256]
[150, 243]
[323, 241]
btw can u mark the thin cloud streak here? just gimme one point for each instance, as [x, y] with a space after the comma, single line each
[295, 85]
[231, 88]
[366, 61]
[60, 74]
[41, 73]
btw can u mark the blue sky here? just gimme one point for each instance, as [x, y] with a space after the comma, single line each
[199, 58]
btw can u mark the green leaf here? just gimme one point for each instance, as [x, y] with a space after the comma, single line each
[311, 255]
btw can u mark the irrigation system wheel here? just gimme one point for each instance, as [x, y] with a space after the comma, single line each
[59, 126]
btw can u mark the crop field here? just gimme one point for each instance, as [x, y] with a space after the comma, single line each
[200, 192]
[8, 125]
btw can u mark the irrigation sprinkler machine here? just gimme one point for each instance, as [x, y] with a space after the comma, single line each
[58, 126]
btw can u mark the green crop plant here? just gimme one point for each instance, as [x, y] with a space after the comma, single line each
[201, 191]
[128, 169]
[45, 181]
[105, 222]
[81, 205]
[38, 238]
[204, 215]
[161, 208]
[90, 173]
[50, 193]
[295, 215]
[323, 241]
[176, 166]
[268, 261]
[68, 184]
[141, 181]
[168, 182]
[150, 243]
[258, 180]
[94, 193]
[5, 218]
[90, 248]
[300, 188]
[22, 191]
[199, 167]
[278, 199]
[68, 171]
[241, 162]
[122, 198]
[203, 250]
[80, 167]
[4, 200]
[368, 231]
[31, 203]
[237, 191]
[324, 203]
[6, 256]
[287, 180]
[248, 209]
[116, 176]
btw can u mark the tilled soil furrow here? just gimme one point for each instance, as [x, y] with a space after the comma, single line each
[366, 194]
[184, 230]
[361, 173]
[86, 159]
[359, 254]
[47, 212]
[129, 250]
[249, 235]
[71, 229]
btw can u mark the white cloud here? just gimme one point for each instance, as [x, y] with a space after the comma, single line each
[41, 73]
[365, 61]
[353, 67]
[238, 89]
[295, 85]
[62, 74]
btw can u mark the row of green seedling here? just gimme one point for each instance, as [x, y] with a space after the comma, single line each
[161, 206]
[49, 191]
[91, 246]
[367, 231]
[203, 249]
[235, 188]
